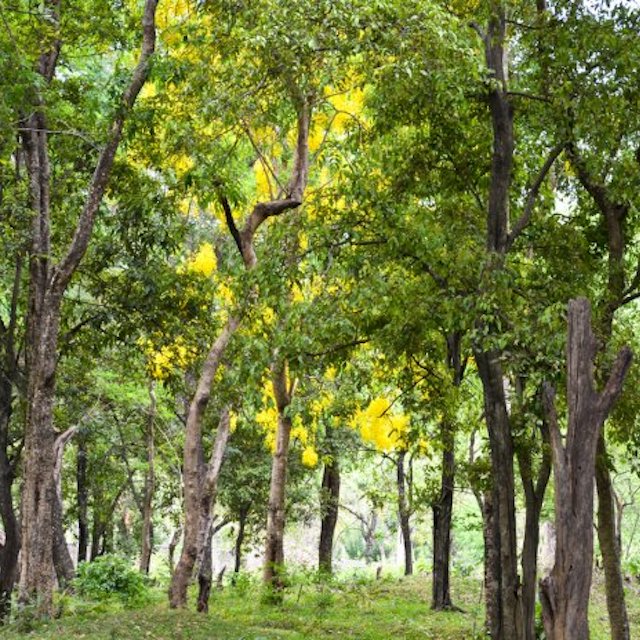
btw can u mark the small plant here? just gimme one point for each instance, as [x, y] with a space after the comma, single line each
[111, 576]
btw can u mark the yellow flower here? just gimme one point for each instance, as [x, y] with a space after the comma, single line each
[204, 261]
[309, 457]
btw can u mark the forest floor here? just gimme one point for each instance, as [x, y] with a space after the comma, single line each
[369, 610]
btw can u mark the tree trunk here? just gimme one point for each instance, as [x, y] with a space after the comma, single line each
[442, 512]
[404, 514]
[82, 499]
[565, 592]
[205, 571]
[329, 505]
[201, 481]
[65, 571]
[491, 564]
[149, 487]
[274, 548]
[503, 500]
[8, 551]
[534, 492]
[609, 539]
[173, 543]
[242, 522]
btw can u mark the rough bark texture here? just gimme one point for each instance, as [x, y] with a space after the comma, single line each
[47, 284]
[565, 592]
[274, 548]
[149, 486]
[404, 513]
[329, 504]
[491, 565]
[202, 482]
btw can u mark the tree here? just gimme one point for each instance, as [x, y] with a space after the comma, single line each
[47, 285]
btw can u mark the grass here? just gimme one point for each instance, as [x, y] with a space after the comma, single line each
[352, 607]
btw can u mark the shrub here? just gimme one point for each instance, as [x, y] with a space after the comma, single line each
[111, 576]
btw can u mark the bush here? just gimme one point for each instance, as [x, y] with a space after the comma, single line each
[111, 576]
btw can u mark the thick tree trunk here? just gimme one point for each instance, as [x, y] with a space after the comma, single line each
[609, 539]
[149, 487]
[565, 592]
[201, 481]
[274, 548]
[404, 514]
[82, 499]
[442, 512]
[491, 564]
[329, 501]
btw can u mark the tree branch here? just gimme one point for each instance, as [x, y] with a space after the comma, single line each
[532, 196]
[64, 271]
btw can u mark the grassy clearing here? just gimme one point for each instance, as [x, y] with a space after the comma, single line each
[356, 608]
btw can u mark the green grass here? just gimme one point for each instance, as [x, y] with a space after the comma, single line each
[350, 608]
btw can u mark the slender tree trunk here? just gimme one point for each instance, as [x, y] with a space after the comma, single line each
[9, 551]
[404, 514]
[242, 522]
[329, 505]
[442, 513]
[173, 543]
[565, 592]
[149, 486]
[82, 499]
[608, 537]
[274, 549]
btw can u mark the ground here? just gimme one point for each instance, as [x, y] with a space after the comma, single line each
[353, 607]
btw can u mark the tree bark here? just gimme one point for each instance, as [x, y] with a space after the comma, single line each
[274, 548]
[442, 512]
[8, 551]
[404, 513]
[329, 505]
[503, 500]
[565, 592]
[149, 486]
[609, 539]
[202, 482]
